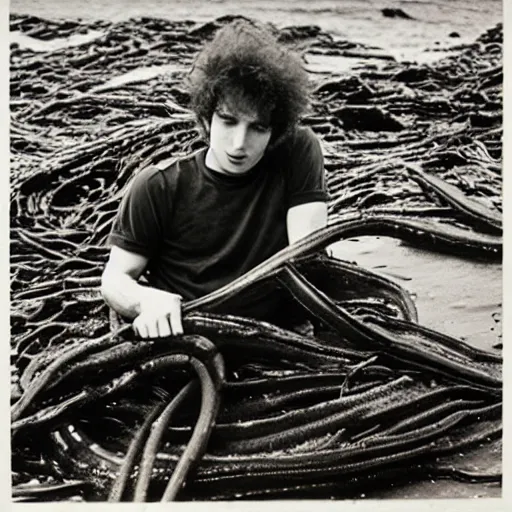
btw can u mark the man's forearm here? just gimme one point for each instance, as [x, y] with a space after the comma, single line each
[304, 219]
[122, 293]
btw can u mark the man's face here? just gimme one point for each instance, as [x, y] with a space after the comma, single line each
[238, 139]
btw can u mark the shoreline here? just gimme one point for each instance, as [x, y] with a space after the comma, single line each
[88, 33]
[431, 27]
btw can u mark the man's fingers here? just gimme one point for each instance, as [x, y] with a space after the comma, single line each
[157, 327]
[175, 318]
[140, 328]
[175, 321]
[177, 327]
[160, 321]
[152, 326]
[164, 327]
[146, 327]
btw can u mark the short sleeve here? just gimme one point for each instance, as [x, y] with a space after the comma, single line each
[138, 225]
[306, 170]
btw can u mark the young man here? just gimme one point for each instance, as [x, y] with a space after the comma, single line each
[208, 218]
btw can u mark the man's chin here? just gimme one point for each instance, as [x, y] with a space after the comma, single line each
[238, 169]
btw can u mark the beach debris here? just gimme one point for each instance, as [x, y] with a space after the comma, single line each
[389, 12]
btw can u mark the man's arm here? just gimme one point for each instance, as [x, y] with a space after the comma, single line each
[155, 312]
[305, 218]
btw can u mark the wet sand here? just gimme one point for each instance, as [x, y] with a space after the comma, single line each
[455, 296]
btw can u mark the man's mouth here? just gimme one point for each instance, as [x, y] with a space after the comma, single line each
[236, 159]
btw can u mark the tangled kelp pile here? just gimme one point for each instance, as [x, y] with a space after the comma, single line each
[412, 151]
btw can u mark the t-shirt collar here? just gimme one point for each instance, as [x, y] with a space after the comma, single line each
[230, 179]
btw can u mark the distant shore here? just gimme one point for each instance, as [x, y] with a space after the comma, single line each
[431, 26]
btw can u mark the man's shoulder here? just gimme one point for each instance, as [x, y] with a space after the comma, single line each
[175, 162]
[165, 174]
[170, 168]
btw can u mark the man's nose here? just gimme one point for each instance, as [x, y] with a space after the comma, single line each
[240, 137]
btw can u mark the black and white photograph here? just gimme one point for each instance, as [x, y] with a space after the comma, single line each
[256, 251]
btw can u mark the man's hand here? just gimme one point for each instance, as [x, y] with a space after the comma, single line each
[155, 313]
[160, 314]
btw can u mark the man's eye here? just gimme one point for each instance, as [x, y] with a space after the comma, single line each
[227, 119]
[261, 128]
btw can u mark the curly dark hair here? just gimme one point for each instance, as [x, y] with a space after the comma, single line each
[245, 64]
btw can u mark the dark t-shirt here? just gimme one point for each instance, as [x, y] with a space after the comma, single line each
[202, 229]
